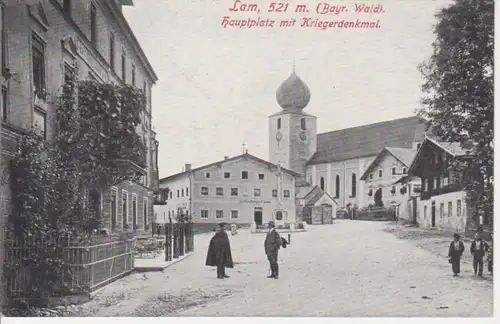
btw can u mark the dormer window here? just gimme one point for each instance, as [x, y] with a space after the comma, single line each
[207, 175]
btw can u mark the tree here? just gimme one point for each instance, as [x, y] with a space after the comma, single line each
[458, 92]
[378, 198]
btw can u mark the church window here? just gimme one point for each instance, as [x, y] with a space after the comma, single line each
[234, 192]
[227, 175]
[337, 186]
[256, 192]
[275, 193]
[303, 123]
[204, 191]
[207, 175]
[353, 185]
[286, 193]
[219, 191]
[178, 193]
[278, 122]
[187, 192]
[380, 173]
[244, 174]
[322, 183]
[182, 192]
[261, 176]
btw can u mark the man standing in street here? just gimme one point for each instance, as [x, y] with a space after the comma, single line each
[455, 253]
[478, 249]
[271, 246]
[219, 252]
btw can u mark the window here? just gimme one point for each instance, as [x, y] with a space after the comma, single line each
[303, 123]
[204, 191]
[187, 192]
[68, 74]
[67, 6]
[278, 123]
[370, 192]
[170, 193]
[353, 185]
[275, 193]
[38, 57]
[279, 215]
[450, 209]
[134, 211]
[4, 40]
[40, 123]
[425, 212]
[436, 183]
[261, 176]
[93, 23]
[404, 170]
[207, 175]
[178, 193]
[441, 210]
[322, 183]
[380, 173]
[371, 176]
[182, 192]
[133, 75]
[459, 208]
[234, 214]
[445, 180]
[112, 51]
[244, 174]
[124, 208]
[234, 192]
[393, 190]
[256, 192]
[124, 67]
[393, 170]
[114, 208]
[227, 175]
[145, 205]
[204, 213]
[337, 186]
[5, 106]
[286, 193]
[418, 146]
[219, 214]
[219, 191]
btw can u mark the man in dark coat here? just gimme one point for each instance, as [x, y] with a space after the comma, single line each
[219, 253]
[271, 246]
[455, 253]
[478, 249]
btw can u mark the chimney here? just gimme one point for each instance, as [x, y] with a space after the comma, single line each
[187, 167]
[226, 157]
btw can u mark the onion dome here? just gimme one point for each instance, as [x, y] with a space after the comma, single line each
[293, 93]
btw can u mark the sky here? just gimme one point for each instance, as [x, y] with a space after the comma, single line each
[217, 86]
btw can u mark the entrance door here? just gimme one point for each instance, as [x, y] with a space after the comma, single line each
[414, 211]
[257, 216]
[433, 214]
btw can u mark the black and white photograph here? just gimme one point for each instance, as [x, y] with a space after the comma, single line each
[233, 158]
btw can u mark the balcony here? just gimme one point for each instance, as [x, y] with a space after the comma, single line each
[441, 191]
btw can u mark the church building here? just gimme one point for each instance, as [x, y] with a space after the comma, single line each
[336, 160]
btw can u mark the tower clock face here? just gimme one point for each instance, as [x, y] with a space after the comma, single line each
[303, 135]
[279, 136]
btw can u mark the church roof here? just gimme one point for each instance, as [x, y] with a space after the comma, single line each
[367, 140]
[245, 155]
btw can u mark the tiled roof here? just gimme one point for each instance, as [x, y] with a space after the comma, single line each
[367, 140]
[302, 192]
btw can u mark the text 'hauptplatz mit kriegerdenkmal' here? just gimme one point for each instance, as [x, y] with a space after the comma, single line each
[286, 14]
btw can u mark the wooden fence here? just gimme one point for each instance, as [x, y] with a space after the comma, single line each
[92, 263]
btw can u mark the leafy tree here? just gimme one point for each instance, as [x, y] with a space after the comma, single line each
[458, 90]
[378, 198]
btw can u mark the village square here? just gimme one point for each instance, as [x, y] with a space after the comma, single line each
[388, 218]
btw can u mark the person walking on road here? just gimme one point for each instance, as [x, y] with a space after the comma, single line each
[478, 249]
[271, 246]
[219, 252]
[455, 252]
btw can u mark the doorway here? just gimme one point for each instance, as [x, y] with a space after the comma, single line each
[257, 216]
[414, 211]
[433, 214]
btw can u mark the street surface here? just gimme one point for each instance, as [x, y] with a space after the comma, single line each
[350, 268]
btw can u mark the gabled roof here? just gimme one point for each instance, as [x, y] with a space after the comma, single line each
[245, 155]
[367, 140]
[452, 148]
[311, 194]
[404, 156]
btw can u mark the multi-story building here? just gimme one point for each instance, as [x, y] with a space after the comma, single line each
[243, 189]
[389, 166]
[443, 199]
[46, 42]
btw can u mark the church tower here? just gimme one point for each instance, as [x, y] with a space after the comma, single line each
[292, 132]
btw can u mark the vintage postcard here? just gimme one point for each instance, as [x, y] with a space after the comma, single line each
[234, 158]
